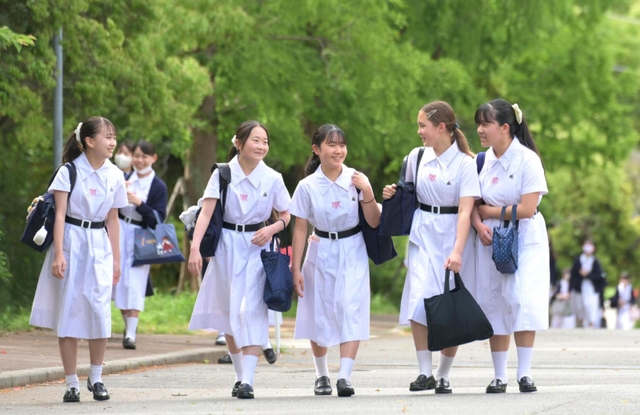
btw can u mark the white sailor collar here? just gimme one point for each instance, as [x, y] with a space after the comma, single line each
[505, 160]
[323, 183]
[85, 169]
[447, 157]
[255, 177]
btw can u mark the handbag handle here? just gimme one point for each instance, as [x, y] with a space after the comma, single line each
[456, 277]
[403, 169]
[155, 213]
[514, 214]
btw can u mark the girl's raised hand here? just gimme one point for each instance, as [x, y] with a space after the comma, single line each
[360, 181]
[389, 191]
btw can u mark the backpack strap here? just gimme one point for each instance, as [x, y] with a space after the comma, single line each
[480, 160]
[225, 178]
[73, 174]
[420, 153]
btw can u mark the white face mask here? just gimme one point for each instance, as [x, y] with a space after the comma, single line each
[145, 170]
[123, 161]
[588, 249]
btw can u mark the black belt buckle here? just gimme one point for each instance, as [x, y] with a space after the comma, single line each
[435, 209]
[333, 236]
[240, 227]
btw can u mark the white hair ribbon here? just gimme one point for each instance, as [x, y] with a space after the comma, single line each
[78, 133]
[518, 113]
[233, 141]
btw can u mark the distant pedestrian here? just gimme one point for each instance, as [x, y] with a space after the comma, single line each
[587, 274]
[560, 308]
[73, 296]
[624, 300]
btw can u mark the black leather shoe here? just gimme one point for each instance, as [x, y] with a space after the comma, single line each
[496, 386]
[245, 391]
[270, 355]
[128, 343]
[526, 385]
[234, 391]
[71, 395]
[443, 386]
[323, 386]
[226, 359]
[423, 383]
[344, 388]
[100, 393]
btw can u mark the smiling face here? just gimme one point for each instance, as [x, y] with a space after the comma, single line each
[141, 160]
[332, 151]
[103, 143]
[426, 130]
[256, 146]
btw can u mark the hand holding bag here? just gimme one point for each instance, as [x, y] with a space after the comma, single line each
[397, 212]
[380, 248]
[278, 287]
[454, 317]
[505, 243]
[156, 246]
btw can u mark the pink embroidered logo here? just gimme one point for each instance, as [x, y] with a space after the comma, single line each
[494, 180]
[244, 198]
[93, 192]
[432, 177]
[335, 205]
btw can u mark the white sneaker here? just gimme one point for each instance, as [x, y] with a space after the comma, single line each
[221, 340]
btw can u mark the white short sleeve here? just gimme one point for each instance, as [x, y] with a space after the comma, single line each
[120, 199]
[301, 202]
[533, 179]
[212, 191]
[61, 181]
[469, 183]
[411, 165]
[282, 200]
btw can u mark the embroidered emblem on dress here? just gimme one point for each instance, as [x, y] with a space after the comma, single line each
[335, 205]
[244, 197]
[93, 192]
[432, 177]
[494, 180]
[511, 176]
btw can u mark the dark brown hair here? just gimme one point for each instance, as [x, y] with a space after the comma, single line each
[90, 128]
[242, 134]
[441, 112]
[331, 134]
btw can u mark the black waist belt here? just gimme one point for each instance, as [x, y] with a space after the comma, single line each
[338, 235]
[85, 224]
[243, 228]
[129, 220]
[440, 210]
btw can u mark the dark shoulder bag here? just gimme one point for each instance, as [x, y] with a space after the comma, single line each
[210, 240]
[379, 247]
[397, 212]
[505, 243]
[38, 232]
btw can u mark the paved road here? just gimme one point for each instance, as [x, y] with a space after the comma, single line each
[592, 372]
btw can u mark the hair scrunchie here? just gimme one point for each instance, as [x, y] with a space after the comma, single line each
[78, 133]
[518, 112]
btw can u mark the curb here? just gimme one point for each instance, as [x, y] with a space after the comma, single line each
[17, 378]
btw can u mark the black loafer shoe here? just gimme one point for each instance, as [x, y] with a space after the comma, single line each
[344, 388]
[270, 355]
[526, 385]
[496, 386]
[245, 391]
[226, 359]
[100, 393]
[234, 391]
[423, 383]
[443, 386]
[323, 386]
[71, 395]
[128, 343]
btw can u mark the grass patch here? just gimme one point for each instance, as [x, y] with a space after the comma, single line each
[15, 319]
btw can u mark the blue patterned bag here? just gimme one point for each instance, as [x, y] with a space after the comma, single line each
[156, 246]
[278, 287]
[505, 243]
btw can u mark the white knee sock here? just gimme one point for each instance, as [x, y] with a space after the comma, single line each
[72, 381]
[524, 361]
[236, 359]
[346, 366]
[322, 369]
[267, 346]
[425, 362]
[132, 327]
[249, 363]
[95, 375]
[500, 365]
[444, 367]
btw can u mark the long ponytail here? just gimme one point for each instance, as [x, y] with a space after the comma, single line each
[242, 134]
[76, 143]
[441, 112]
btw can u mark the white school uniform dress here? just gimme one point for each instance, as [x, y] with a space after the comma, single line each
[79, 305]
[129, 293]
[624, 320]
[335, 306]
[442, 182]
[590, 295]
[230, 298]
[520, 301]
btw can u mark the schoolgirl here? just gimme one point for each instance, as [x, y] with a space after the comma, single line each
[512, 174]
[74, 288]
[447, 186]
[124, 157]
[587, 278]
[333, 284]
[147, 195]
[230, 299]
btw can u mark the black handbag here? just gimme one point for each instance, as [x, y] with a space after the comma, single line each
[380, 248]
[505, 243]
[454, 317]
[397, 212]
[38, 232]
[210, 240]
[278, 287]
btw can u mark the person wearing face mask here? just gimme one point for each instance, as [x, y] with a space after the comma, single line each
[587, 279]
[123, 158]
[146, 194]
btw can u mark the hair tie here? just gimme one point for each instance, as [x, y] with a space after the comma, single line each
[233, 140]
[78, 133]
[518, 112]
[457, 127]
